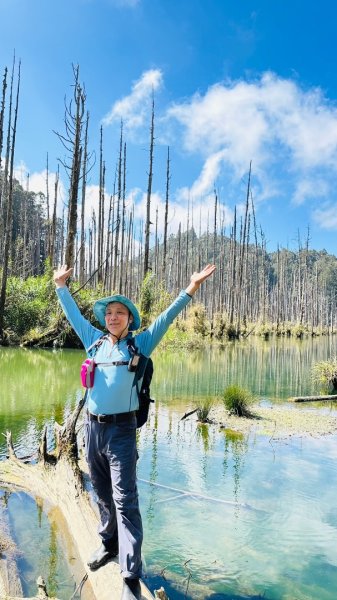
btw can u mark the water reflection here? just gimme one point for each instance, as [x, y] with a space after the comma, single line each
[39, 546]
[275, 370]
[38, 388]
[236, 445]
[225, 516]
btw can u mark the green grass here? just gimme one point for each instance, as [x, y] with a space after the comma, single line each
[238, 400]
[325, 373]
[203, 407]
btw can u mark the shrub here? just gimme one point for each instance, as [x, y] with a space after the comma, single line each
[220, 325]
[31, 306]
[264, 330]
[154, 299]
[299, 330]
[325, 373]
[237, 400]
[28, 303]
[197, 320]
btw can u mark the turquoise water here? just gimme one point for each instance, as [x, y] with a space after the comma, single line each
[225, 516]
[41, 548]
[256, 519]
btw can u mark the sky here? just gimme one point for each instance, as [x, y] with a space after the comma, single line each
[234, 82]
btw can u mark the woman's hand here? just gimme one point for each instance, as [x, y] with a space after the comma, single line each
[61, 275]
[198, 278]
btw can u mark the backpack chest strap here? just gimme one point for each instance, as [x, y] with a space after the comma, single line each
[115, 363]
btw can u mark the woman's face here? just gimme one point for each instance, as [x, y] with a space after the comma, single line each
[117, 319]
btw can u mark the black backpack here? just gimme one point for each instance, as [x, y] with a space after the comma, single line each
[143, 369]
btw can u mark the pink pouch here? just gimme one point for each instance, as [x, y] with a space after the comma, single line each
[88, 372]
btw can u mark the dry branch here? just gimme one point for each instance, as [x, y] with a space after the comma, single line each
[188, 414]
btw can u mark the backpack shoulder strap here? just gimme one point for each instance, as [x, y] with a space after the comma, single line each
[131, 345]
[96, 345]
[143, 362]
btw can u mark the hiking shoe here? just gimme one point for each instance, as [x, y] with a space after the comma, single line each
[131, 589]
[102, 555]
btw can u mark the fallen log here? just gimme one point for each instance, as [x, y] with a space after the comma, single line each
[10, 584]
[58, 479]
[332, 397]
[42, 593]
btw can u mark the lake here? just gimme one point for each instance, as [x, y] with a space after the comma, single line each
[225, 516]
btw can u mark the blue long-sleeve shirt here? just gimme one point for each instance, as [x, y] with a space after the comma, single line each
[113, 390]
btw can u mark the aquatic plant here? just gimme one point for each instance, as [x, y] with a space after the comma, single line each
[325, 373]
[237, 400]
[203, 407]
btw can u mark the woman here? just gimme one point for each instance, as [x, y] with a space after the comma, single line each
[111, 425]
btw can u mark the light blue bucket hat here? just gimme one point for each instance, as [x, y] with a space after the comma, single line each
[100, 310]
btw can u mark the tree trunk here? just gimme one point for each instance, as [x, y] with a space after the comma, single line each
[168, 177]
[2, 119]
[100, 230]
[74, 127]
[148, 198]
[53, 224]
[84, 186]
[8, 229]
[118, 220]
[121, 260]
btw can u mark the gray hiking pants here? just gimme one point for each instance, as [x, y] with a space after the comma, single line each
[111, 453]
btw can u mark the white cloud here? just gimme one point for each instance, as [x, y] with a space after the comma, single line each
[326, 217]
[310, 188]
[289, 133]
[201, 212]
[267, 120]
[37, 182]
[134, 108]
[208, 176]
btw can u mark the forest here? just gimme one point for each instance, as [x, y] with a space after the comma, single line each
[291, 291]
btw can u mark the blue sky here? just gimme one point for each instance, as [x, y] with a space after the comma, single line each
[234, 82]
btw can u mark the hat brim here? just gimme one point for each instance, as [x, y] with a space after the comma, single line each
[100, 310]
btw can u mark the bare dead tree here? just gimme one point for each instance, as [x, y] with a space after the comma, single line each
[73, 143]
[100, 230]
[214, 257]
[232, 286]
[242, 254]
[53, 223]
[2, 121]
[122, 224]
[148, 196]
[128, 260]
[8, 227]
[47, 205]
[167, 194]
[84, 187]
[5, 178]
[119, 197]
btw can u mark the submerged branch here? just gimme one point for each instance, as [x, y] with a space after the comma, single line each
[188, 414]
